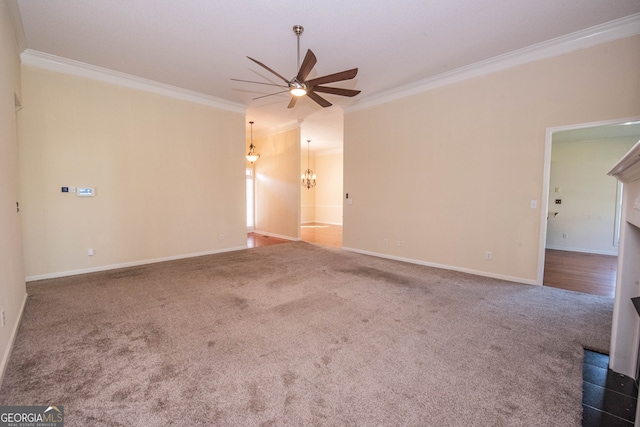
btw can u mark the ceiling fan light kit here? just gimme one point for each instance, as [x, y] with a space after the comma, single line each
[299, 86]
[298, 89]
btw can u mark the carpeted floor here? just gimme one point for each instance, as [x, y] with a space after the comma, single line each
[296, 334]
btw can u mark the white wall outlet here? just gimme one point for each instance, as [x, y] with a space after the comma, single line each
[385, 241]
[221, 237]
[488, 255]
[534, 204]
[90, 252]
[565, 235]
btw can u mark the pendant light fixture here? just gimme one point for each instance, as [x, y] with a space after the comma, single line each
[308, 177]
[252, 156]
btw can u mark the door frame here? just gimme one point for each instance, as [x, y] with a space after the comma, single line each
[546, 179]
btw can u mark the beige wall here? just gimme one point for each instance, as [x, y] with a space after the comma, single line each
[450, 174]
[277, 184]
[12, 287]
[588, 195]
[328, 201]
[168, 174]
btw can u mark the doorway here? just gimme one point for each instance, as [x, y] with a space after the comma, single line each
[578, 243]
[321, 206]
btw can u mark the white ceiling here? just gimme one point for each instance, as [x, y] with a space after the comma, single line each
[200, 45]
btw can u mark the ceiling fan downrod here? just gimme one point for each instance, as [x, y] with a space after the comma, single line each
[298, 29]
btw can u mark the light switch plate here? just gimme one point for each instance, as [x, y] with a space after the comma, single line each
[85, 192]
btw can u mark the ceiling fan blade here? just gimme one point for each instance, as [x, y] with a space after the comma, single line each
[342, 75]
[258, 83]
[336, 90]
[293, 101]
[320, 100]
[269, 69]
[307, 65]
[271, 94]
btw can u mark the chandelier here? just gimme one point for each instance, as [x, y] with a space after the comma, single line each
[308, 177]
[252, 156]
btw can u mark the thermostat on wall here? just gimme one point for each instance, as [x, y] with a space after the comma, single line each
[85, 192]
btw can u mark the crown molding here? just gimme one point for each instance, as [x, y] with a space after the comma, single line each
[58, 64]
[284, 127]
[16, 23]
[628, 168]
[604, 33]
[614, 30]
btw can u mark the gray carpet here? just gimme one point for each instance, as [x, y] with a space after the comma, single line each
[300, 335]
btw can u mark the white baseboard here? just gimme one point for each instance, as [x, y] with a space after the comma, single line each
[12, 340]
[584, 251]
[279, 236]
[447, 267]
[128, 264]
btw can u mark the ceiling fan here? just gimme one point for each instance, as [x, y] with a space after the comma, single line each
[299, 86]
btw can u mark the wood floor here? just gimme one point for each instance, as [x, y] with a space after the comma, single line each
[255, 240]
[319, 234]
[574, 271]
[322, 234]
